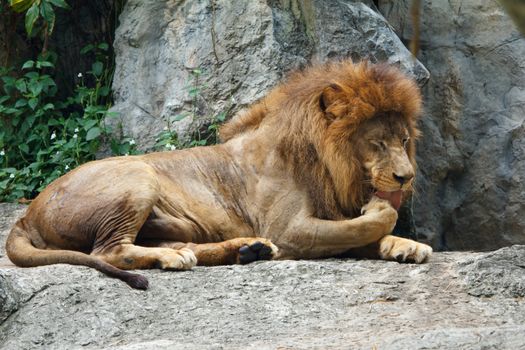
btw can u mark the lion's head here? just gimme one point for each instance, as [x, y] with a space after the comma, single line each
[346, 130]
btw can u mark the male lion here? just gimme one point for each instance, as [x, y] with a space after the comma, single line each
[317, 168]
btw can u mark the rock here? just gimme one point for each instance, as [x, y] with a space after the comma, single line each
[243, 48]
[472, 155]
[323, 304]
[501, 272]
[9, 213]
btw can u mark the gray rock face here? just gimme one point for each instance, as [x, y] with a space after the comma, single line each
[457, 301]
[242, 47]
[472, 155]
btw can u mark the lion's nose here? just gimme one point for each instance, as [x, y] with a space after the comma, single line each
[402, 178]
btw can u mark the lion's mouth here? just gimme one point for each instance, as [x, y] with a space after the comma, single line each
[395, 198]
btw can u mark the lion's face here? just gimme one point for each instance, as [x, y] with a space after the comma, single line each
[368, 143]
[384, 145]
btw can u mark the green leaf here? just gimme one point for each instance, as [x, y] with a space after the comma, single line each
[59, 3]
[31, 17]
[35, 87]
[12, 111]
[53, 122]
[221, 117]
[97, 68]
[89, 124]
[31, 120]
[46, 64]
[21, 103]
[86, 49]
[24, 148]
[104, 91]
[21, 5]
[179, 117]
[10, 81]
[47, 81]
[112, 114]
[48, 14]
[93, 133]
[31, 75]
[28, 64]
[48, 106]
[32, 103]
[21, 85]
[103, 46]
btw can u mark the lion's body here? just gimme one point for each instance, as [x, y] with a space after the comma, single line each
[289, 174]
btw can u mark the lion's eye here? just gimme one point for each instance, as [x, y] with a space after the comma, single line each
[379, 144]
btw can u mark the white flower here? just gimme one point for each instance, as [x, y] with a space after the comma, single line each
[66, 167]
[131, 142]
[168, 145]
[2, 153]
[58, 153]
[53, 136]
[165, 128]
[76, 130]
[126, 154]
[79, 75]
[12, 176]
[75, 136]
[173, 148]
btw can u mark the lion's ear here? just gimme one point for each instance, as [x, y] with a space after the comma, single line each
[331, 101]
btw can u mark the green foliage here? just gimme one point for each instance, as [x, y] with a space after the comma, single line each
[42, 138]
[204, 135]
[36, 10]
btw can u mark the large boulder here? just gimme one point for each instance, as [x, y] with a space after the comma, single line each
[457, 301]
[243, 48]
[471, 185]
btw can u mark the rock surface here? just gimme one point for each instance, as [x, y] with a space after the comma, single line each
[472, 155]
[243, 49]
[457, 301]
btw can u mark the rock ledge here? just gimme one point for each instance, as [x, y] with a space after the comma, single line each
[459, 300]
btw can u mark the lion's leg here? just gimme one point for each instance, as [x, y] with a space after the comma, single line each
[118, 225]
[234, 251]
[309, 237]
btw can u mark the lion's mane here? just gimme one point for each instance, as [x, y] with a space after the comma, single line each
[315, 113]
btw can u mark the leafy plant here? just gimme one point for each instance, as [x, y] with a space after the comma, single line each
[42, 138]
[205, 134]
[40, 14]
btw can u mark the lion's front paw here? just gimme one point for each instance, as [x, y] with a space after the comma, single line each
[180, 259]
[381, 216]
[259, 249]
[376, 204]
[403, 250]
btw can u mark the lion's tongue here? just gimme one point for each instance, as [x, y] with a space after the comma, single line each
[394, 198]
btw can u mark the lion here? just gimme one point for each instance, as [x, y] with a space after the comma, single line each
[317, 168]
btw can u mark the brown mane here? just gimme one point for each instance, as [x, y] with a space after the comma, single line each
[316, 111]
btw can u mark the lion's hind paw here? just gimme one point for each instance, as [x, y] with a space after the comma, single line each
[180, 259]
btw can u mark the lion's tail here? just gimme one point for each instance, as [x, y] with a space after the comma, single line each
[22, 253]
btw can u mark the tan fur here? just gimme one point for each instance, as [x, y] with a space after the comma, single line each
[296, 169]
